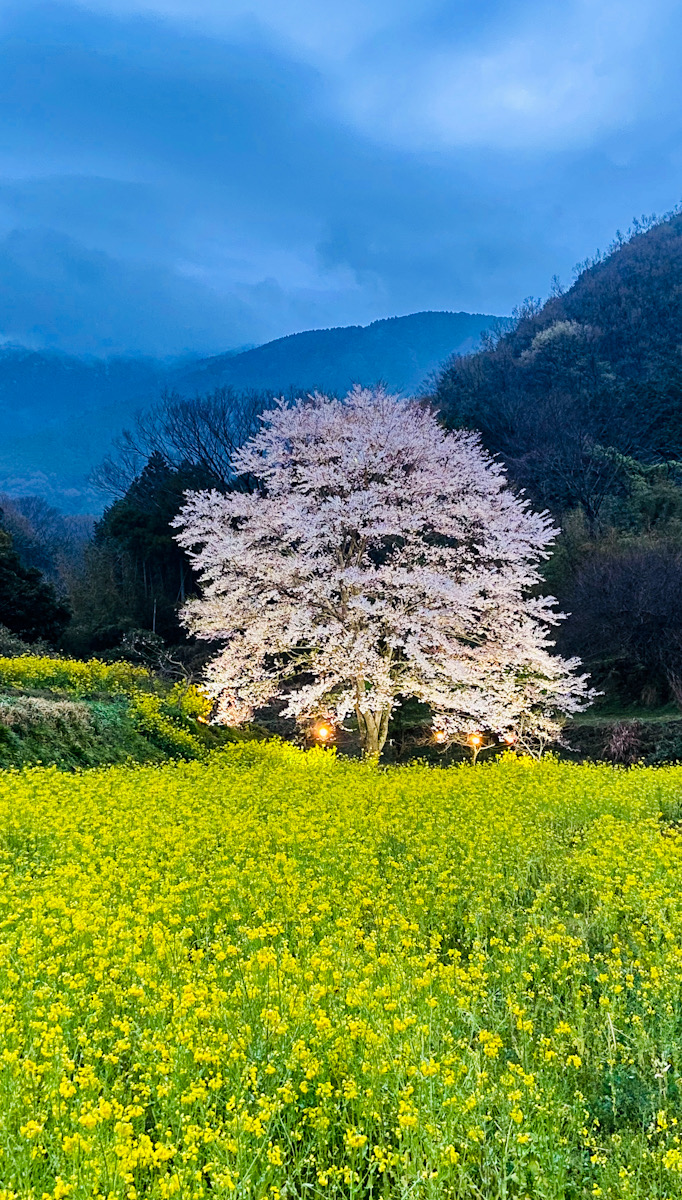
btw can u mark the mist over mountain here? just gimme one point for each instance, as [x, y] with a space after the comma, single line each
[58, 415]
[60, 412]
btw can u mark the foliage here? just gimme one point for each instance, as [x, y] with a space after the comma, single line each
[153, 722]
[71, 734]
[135, 575]
[279, 973]
[629, 737]
[198, 435]
[383, 558]
[626, 623]
[29, 606]
[12, 646]
[601, 363]
[51, 541]
[75, 678]
[581, 401]
[138, 717]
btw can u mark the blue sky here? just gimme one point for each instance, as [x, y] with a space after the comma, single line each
[193, 175]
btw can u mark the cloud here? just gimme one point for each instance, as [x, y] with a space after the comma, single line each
[313, 31]
[433, 73]
[555, 76]
[199, 176]
[56, 293]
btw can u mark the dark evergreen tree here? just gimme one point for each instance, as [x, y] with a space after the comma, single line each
[135, 575]
[29, 607]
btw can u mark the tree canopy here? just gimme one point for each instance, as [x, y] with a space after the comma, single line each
[378, 557]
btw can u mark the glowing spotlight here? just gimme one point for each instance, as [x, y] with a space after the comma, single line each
[440, 736]
[323, 732]
[475, 739]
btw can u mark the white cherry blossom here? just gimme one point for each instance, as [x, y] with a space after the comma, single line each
[378, 557]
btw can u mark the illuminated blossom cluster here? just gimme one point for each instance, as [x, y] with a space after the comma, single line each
[378, 557]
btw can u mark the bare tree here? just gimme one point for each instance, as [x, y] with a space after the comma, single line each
[202, 431]
[44, 538]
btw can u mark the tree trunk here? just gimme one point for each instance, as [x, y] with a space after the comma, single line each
[373, 731]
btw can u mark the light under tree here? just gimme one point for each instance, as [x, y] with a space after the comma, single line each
[379, 557]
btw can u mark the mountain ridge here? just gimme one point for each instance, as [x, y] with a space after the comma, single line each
[339, 356]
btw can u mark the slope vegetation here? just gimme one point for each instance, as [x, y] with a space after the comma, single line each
[598, 366]
[583, 402]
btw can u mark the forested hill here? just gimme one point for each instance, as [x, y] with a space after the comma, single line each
[401, 351]
[583, 403]
[59, 414]
[596, 369]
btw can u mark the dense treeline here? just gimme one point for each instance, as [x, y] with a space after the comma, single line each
[583, 402]
[135, 576]
[38, 546]
[600, 365]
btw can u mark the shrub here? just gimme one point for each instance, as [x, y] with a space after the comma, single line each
[161, 729]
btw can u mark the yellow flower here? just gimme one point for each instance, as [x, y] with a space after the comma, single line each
[354, 1139]
[31, 1129]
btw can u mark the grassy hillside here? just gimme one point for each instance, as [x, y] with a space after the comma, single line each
[278, 973]
[72, 714]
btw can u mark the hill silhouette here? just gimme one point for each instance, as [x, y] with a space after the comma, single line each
[400, 351]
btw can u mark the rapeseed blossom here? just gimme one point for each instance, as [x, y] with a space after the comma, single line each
[73, 676]
[278, 974]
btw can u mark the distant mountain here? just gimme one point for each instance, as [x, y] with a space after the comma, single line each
[59, 414]
[400, 351]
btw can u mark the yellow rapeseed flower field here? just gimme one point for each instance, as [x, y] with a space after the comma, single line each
[75, 676]
[276, 974]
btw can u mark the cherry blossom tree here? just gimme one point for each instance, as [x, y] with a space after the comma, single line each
[380, 557]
